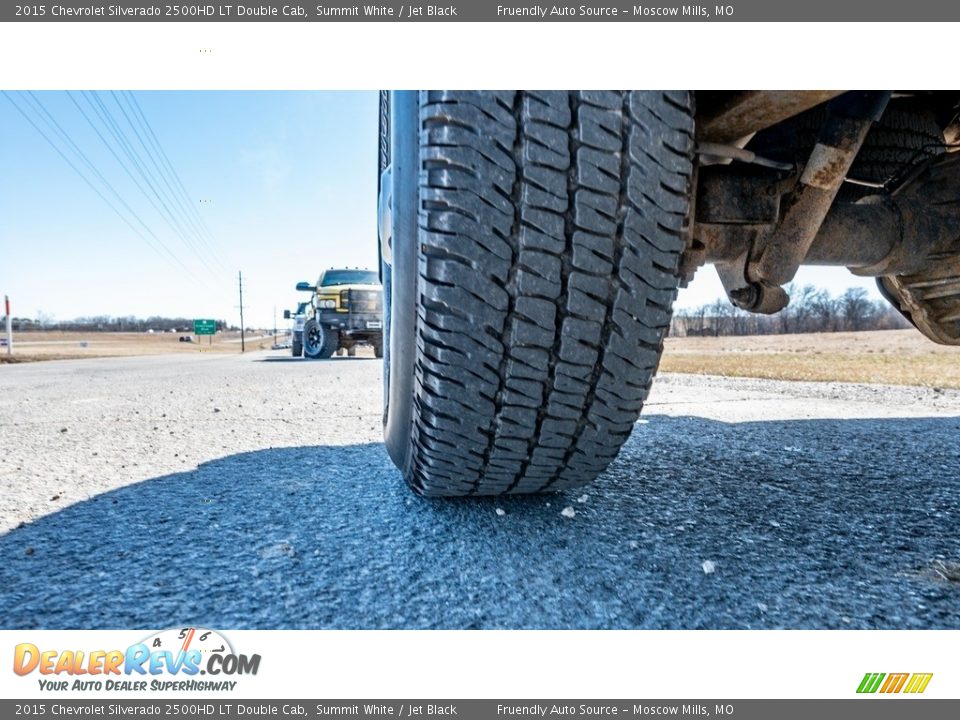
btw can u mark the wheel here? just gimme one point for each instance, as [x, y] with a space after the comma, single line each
[319, 342]
[536, 240]
[352, 351]
[378, 349]
[297, 348]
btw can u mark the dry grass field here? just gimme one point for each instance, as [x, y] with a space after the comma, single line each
[55, 345]
[896, 357]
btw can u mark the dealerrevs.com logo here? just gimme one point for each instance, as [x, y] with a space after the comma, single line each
[909, 683]
[170, 660]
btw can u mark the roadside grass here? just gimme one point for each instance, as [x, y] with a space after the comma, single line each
[932, 371]
[34, 357]
[895, 357]
[57, 345]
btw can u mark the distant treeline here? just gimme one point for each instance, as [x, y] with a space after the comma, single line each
[105, 323]
[810, 310]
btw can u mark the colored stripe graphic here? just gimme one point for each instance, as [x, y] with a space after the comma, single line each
[894, 683]
[870, 682]
[918, 683]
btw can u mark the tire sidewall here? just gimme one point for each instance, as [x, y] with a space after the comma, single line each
[383, 152]
[400, 279]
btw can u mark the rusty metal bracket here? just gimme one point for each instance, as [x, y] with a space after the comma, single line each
[910, 240]
[914, 238]
[848, 121]
[735, 212]
[748, 112]
[758, 225]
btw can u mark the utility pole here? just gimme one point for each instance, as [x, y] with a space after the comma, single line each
[242, 327]
[6, 302]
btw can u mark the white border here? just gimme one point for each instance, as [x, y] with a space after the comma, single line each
[751, 664]
[355, 56]
[543, 664]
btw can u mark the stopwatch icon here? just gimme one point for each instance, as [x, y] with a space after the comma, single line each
[183, 639]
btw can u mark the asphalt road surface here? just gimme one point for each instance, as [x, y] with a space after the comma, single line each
[253, 492]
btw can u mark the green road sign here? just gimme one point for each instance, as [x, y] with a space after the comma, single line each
[204, 327]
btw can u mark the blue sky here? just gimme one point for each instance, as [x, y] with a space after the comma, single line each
[284, 184]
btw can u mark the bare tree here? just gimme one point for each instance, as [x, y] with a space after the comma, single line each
[825, 311]
[801, 300]
[44, 319]
[810, 310]
[856, 308]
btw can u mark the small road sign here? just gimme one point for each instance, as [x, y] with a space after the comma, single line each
[204, 327]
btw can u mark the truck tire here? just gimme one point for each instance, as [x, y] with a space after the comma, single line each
[297, 348]
[319, 342]
[536, 241]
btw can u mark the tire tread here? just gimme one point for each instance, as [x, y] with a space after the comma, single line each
[551, 228]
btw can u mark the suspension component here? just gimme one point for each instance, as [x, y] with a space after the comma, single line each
[849, 119]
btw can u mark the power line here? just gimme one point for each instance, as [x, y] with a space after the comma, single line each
[106, 117]
[171, 205]
[97, 190]
[169, 191]
[132, 100]
[65, 137]
[51, 121]
[157, 193]
[124, 165]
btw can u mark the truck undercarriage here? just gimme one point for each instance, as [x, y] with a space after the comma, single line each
[801, 178]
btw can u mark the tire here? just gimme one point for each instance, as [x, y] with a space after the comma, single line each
[297, 348]
[532, 301]
[383, 158]
[378, 349]
[319, 342]
[351, 351]
[905, 137]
